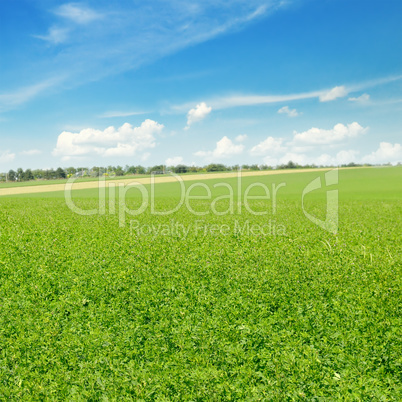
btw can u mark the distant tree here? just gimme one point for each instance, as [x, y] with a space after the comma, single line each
[216, 167]
[71, 170]
[156, 168]
[49, 174]
[60, 173]
[95, 171]
[28, 175]
[110, 169]
[254, 167]
[180, 169]
[119, 171]
[140, 169]
[20, 174]
[38, 173]
[82, 171]
[12, 175]
[289, 165]
[131, 170]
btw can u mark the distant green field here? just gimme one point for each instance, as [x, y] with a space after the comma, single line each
[39, 182]
[224, 305]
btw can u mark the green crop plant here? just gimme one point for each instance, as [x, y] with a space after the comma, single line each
[229, 310]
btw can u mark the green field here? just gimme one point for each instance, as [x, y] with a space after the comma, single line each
[235, 306]
[43, 182]
[86, 179]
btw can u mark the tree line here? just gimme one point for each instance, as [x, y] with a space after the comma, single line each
[111, 171]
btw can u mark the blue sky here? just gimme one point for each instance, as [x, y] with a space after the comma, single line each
[173, 81]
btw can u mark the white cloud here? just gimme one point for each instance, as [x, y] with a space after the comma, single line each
[300, 159]
[31, 152]
[346, 156]
[334, 93]
[241, 138]
[200, 112]
[319, 136]
[176, 160]
[125, 141]
[386, 152]
[270, 146]
[77, 13]
[224, 148]
[145, 156]
[270, 161]
[6, 157]
[360, 99]
[342, 157]
[289, 112]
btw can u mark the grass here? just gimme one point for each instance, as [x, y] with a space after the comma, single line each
[94, 311]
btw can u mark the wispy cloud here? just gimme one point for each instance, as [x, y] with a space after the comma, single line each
[6, 156]
[24, 94]
[257, 13]
[111, 114]
[360, 99]
[72, 14]
[323, 95]
[374, 83]
[31, 152]
[55, 35]
[131, 36]
[77, 13]
[248, 100]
